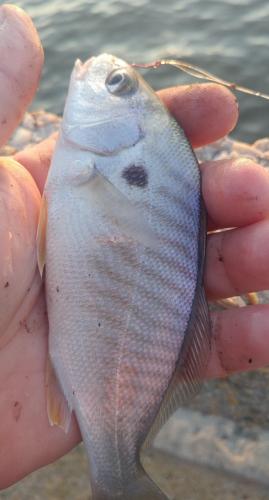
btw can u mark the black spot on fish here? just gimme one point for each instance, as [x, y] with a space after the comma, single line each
[136, 175]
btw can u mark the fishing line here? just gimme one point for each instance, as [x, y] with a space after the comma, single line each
[198, 72]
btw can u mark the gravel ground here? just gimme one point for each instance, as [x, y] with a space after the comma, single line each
[244, 398]
[67, 479]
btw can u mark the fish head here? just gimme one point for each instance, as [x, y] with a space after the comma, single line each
[105, 106]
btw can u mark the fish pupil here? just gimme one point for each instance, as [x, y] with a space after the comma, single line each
[116, 79]
[136, 175]
[120, 82]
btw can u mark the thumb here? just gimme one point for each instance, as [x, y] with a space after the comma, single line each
[21, 60]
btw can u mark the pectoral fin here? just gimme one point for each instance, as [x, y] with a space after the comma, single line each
[105, 136]
[58, 410]
[41, 235]
[123, 213]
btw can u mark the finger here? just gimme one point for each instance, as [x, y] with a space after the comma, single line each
[240, 340]
[206, 112]
[237, 261]
[236, 192]
[36, 159]
[19, 280]
[21, 59]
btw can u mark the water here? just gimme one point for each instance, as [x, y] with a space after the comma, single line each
[227, 37]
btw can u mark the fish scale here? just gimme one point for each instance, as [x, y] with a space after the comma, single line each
[129, 335]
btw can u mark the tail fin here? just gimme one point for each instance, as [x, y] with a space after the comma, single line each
[143, 489]
[140, 488]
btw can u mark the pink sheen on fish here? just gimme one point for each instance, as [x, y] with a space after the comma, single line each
[129, 334]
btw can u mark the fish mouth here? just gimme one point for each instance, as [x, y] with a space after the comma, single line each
[103, 61]
[96, 68]
[82, 68]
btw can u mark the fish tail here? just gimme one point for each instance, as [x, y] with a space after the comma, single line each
[144, 489]
[140, 488]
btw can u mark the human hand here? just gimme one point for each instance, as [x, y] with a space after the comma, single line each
[26, 439]
[236, 194]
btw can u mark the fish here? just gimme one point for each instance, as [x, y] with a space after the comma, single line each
[121, 235]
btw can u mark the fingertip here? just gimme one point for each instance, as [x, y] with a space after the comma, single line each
[12, 15]
[236, 192]
[21, 61]
[240, 340]
[206, 112]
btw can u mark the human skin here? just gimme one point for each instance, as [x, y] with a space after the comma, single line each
[236, 194]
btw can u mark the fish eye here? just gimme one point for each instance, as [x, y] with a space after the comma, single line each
[121, 82]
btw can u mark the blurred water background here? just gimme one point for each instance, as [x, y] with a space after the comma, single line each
[227, 37]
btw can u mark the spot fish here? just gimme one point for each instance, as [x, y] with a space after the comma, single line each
[122, 234]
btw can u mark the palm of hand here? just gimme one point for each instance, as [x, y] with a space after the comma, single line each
[234, 198]
[23, 329]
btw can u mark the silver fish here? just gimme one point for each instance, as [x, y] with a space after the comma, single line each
[122, 233]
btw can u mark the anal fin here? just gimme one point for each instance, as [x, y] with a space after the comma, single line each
[41, 235]
[58, 410]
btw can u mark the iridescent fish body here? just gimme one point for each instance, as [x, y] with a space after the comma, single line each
[129, 334]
